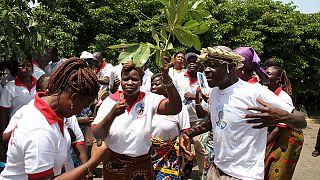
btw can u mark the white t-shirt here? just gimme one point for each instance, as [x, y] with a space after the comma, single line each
[52, 66]
[183, 84]
[37, 71]
[174, 73]
[72, 123]
[168, 127]
[240, 149]
[15, 94]
[130, 133]
[37, 146]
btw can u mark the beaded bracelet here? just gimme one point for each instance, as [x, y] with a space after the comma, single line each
[170, 84]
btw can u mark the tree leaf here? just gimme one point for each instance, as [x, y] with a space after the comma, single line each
[122, 45]
[129, 53]
[204, 27]
[155, 37]
[195, 5]
[170, 46]
[184, 36]
[142, 56]
[191, 24]
[196, 42]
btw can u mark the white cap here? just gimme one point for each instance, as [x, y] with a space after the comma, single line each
[86, 55]
[187, 56]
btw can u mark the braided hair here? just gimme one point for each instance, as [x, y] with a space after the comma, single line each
[284, 81]
[74, 74]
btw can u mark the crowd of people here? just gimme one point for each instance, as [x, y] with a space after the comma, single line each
[220, 110]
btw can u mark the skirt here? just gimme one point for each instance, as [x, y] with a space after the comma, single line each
[283, 154]
[122, 167]
[166, 159]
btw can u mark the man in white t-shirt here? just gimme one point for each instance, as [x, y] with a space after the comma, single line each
[240, 113]
[187, 85]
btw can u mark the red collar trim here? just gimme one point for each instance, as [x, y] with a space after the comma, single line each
[101, 67]
[34, 62]
[278, 91]
[116, 97]
[18, 82]
[253, 80]
[48, 113]
[186, 74]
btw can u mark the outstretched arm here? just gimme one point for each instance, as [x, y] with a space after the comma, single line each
[270, 116]
[173, 105]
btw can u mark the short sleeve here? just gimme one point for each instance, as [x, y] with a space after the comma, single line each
[104, 109]
[273, 100]
[184, 121]
[39, 151]
[6, 96]
[155, 99]
[73, 124]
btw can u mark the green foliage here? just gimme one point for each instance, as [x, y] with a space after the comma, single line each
[184, 21]
[272, 28]
[19, 33]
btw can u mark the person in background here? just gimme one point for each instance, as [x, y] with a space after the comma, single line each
[251, 71]
[88, 58]
[124, 120]
[38, 145]
[178, 62]
[146, 80]
[17, 92]
[270, 62]
[102, 70]
[316, 151]
[284, 143]
[187, 85]
[239, 113]
[51, 56]
[166, 157]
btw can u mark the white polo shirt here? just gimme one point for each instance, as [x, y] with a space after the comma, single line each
[168, 127]
[184, 84]
[285, 98]
[72, 123]
[130, 133]
[37, 146]
[239, 149]
[146, 81]
[15, 94]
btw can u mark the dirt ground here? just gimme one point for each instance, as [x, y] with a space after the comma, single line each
[308, 167]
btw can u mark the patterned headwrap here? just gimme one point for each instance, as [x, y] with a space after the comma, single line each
[222, 54]
[252, 61]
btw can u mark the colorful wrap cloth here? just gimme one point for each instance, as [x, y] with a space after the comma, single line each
[283, 154]
[166, 159]
[122, 167]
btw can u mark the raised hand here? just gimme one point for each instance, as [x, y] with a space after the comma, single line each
[268, 116]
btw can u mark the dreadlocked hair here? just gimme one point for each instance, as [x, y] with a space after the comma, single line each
[74, 74]
[284, 80]
[129, 66]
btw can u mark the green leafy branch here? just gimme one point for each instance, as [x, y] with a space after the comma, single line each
[184, 21]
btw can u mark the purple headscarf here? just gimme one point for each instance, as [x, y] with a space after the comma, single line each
[252, 61]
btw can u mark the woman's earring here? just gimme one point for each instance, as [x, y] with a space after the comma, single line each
[71, 106]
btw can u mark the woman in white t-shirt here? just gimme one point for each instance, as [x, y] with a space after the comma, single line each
[17, 92]
[284, 144]
[38, 145]
[166, 158]
[178, 62]
[124, 120]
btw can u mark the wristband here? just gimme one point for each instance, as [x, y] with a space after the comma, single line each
[89, 171]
